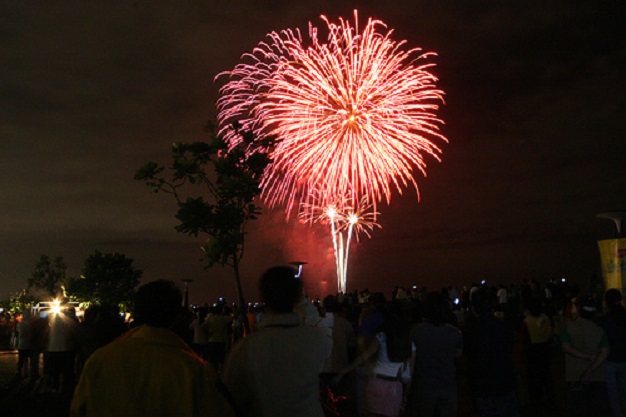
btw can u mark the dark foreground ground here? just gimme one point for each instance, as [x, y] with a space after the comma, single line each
[27, 399]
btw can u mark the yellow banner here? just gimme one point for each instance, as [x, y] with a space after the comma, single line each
[613, 258]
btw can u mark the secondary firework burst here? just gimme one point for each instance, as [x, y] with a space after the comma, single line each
[353, 113]
[346, 219]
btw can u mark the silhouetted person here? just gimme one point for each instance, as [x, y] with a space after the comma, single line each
[39, 340]
[87, 338]
[614, 323]
[109, 324]
[24, 344]
[274, 372]
[200, 333]
[344, 339]
[539, 330]
[586, 348]
[391, 350]
[149, 371]
[60, 352]
[488, 345]
[437, 343]
[344, 345]
[218, 324]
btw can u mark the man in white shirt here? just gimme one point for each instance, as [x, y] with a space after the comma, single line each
[275, 371]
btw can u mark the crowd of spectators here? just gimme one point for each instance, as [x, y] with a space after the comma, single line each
[362, 353]
[8, 329]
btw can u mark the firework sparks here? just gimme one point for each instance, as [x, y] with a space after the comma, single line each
[354, 114]
[344, 212]
[346, 220]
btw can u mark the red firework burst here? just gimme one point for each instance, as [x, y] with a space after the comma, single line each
[353, 114]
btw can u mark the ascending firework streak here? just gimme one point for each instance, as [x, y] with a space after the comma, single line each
[353, 114]
[343, 217]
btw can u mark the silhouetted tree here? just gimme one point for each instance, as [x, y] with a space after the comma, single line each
[106, 279]
[49, 275]
[17, 304]
[224, 199]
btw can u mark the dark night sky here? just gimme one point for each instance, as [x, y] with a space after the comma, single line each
[535, 114]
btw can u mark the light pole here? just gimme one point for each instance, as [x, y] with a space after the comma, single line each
[298, 265]
[617, 217]
[186, 300]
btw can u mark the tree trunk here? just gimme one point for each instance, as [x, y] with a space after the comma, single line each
[242, 301]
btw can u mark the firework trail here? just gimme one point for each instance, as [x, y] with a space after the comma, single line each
[346, 219]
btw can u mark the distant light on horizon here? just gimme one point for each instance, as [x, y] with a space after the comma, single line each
[56, 306]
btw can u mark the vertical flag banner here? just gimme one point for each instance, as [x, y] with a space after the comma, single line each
[613, 259]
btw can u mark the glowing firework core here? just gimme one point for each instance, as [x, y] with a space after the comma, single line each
[352, 116]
